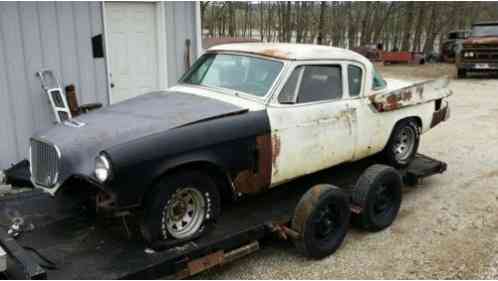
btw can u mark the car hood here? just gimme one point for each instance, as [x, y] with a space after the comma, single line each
[83, 138]
[492, 40]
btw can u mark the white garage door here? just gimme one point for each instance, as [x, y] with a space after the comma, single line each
[133, 53]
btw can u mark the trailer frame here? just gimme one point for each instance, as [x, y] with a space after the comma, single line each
[59, 240]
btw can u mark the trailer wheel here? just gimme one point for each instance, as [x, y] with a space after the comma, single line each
[321, 218]
[378, 194]
[181, 206]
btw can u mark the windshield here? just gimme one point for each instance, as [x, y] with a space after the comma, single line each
[246, 74]
[484, 30]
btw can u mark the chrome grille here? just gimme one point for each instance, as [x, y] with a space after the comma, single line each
[482, 56]
[44, 163]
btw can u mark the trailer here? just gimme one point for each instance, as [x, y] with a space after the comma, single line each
[46, 237]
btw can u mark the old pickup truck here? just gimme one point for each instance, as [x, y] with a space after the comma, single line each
[479, 51]
[244, 119]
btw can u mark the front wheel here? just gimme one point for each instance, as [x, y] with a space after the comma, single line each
[180, 207]
[403, 144]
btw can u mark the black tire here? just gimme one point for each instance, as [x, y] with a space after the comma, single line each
[378, 194]
[394, 154]
[462, 73]
[158, 204]
[322, 219]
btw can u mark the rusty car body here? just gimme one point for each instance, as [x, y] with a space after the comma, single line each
[249, 116]
[480, 51]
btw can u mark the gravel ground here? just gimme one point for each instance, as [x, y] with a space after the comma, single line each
[447, 227]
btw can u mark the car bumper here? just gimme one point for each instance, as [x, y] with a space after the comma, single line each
[441, 115]
[484, 66]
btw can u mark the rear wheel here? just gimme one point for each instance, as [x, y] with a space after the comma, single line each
[181, 206]
[378, 194]
[403, 144]
[321, 218]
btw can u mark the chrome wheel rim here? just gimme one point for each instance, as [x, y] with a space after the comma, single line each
[184, 213]
[404, 144]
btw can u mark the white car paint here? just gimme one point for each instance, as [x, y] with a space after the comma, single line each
[313, 136]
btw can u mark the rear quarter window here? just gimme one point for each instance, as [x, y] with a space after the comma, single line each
[355, 75]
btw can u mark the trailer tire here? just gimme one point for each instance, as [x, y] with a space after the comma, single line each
[403, 144]
[378, 194]
[322, 219]
[194, 197]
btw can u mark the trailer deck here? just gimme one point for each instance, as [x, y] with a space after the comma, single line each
[63, 241]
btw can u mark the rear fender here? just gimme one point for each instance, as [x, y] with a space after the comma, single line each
[418, 93]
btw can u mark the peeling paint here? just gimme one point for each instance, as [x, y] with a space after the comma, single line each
[415, 94]
[270, 52]
[259, 177]
[276, 53]
[275, 152]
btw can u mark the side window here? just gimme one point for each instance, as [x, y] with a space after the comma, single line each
[312, 83]
[320, 82]
[355, 75]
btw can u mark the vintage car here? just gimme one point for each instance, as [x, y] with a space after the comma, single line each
[244, 119]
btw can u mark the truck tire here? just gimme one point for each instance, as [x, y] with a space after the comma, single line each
[378, 194]
[403, 144]
[462, 73]
[181, 206]
[322, 219]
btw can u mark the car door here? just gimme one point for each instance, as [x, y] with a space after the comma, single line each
[312, 124]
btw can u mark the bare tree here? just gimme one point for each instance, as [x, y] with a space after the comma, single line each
[410, 26]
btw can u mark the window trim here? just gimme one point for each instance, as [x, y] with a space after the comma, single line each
[304, 64]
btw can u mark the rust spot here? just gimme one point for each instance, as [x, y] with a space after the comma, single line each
[255, 180]
[203, 263]
[420, 92]
[406, 95]
[275, 152]
[275, 53]
[392, 102]
[485, 40]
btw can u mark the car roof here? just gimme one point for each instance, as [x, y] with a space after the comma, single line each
[292, 51]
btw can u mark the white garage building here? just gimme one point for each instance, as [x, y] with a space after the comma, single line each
[110, 51]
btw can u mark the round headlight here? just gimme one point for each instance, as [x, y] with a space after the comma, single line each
[102, 168]
[471, 54]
